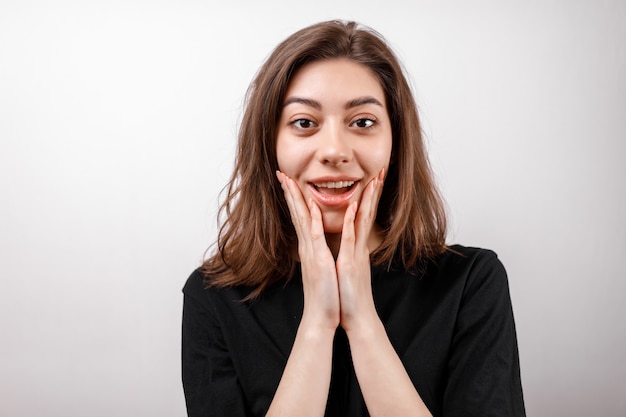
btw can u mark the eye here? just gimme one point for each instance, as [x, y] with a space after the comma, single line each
[364, 123]
[303, 124]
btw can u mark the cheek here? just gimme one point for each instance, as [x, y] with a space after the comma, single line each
[286, 160]
[377, 153]
[376, 158]
[292, 156]
[283, 154]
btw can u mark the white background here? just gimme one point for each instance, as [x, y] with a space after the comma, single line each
[117, 127]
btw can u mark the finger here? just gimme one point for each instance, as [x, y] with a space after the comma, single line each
[288, 197]
[366, 216]
[318, 238]
[300, 208]
[348, 236]
[299, 217]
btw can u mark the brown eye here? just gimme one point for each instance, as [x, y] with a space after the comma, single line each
[364, 123]
[303, 124]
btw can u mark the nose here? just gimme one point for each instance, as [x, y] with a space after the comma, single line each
[333, 145]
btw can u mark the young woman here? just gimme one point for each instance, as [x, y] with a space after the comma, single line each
[331, 290]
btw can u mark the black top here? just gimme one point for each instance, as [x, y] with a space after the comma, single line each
[451, 325]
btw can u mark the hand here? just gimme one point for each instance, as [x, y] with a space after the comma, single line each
[319, 275]
[353, 261]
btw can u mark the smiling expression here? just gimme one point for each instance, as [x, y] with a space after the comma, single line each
[334, 134]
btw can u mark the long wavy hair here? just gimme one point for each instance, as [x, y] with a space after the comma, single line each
[256, 240]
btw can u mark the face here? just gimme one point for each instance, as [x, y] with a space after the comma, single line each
[334, 135]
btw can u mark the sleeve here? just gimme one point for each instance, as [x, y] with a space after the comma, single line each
[209, 379]
[483, 368]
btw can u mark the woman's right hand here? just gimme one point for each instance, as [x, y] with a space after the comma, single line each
[319, 274]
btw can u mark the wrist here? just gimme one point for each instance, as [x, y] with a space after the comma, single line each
[312, 326]
[365, 329]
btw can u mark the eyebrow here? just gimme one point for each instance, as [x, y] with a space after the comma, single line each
[360, 101]
[301, 100]
[363, 100]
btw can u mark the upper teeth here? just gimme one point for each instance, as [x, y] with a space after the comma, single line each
[338, 184]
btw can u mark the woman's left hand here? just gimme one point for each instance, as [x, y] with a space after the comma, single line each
[353, 260]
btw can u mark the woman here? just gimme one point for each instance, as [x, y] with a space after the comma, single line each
[332, 291]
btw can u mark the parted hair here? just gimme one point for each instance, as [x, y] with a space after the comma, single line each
[256, 240]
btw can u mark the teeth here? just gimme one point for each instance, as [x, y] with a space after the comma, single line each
[338, 184]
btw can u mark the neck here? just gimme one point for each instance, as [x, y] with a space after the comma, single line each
[333, 240]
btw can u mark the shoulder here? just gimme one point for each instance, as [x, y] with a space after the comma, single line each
[197, 295]
[197, 288]
[195, 283]
[469, 261]
[451, 279]
[211, 297]
[482, 281]
[474, 271]
[459, 255]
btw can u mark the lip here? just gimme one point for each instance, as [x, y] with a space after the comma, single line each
[334, 200]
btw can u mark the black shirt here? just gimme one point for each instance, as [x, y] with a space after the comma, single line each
[451, 325]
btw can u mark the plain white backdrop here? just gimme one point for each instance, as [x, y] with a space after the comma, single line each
[117, 129]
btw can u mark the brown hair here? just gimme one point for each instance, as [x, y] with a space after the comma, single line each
[256, 239]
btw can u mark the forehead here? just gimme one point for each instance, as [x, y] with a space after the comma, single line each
[336, 78]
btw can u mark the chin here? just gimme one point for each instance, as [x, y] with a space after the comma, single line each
[333, 230]
[333, 222]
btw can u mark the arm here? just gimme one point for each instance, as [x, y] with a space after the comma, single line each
[209, 378]
[385, 384]
[303, 388]
[483, 369]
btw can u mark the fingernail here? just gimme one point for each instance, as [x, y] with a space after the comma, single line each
[381, 174]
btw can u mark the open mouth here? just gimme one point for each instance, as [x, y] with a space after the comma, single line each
[334, 188]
